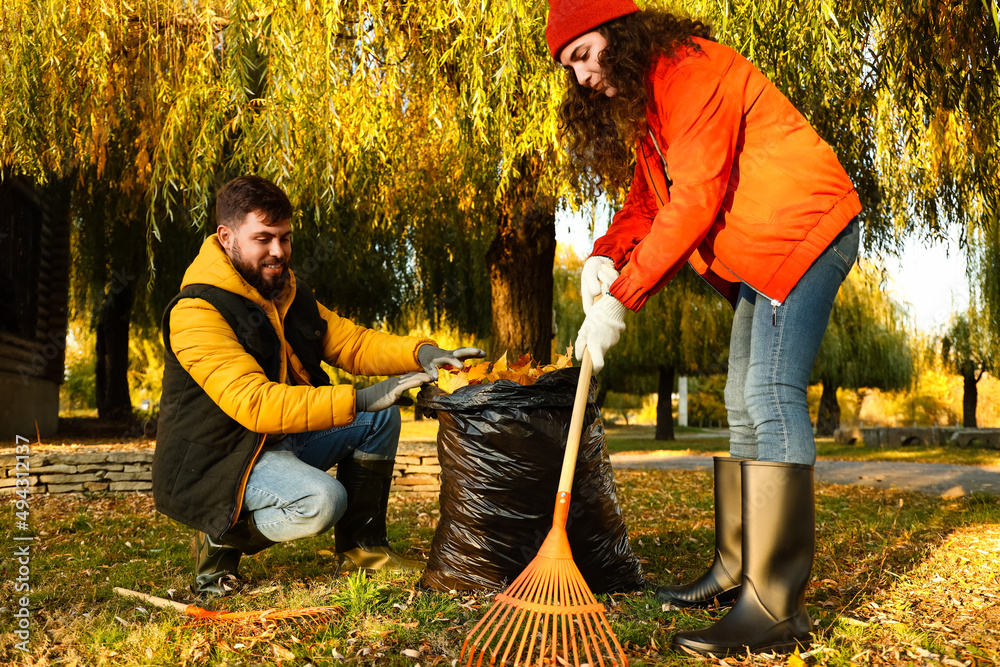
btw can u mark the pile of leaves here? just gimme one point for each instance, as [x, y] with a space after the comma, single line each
[523, 371]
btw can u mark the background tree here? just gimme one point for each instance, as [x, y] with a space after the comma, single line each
[986, 284]
[682, 330]
[567, 308]
[865, 345]
[966, 350]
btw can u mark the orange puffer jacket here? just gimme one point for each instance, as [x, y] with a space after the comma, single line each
[754, 194]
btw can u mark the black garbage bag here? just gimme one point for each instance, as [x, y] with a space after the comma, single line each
[501, 448]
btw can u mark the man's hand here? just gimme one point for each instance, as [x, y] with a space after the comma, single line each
[601, 329]
[432, 358]
[389, 392]
[595, 279]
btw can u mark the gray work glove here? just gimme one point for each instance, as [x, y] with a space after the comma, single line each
[388, 393]
[432, 358]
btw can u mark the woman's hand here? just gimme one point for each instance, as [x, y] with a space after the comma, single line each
[601, 329]
[595, 279]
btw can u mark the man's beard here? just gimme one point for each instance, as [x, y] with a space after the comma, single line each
[269, 288]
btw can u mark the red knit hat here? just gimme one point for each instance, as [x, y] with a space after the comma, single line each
[568, 19]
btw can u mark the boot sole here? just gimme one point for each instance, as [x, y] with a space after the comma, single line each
[723, 600]
[716, 651]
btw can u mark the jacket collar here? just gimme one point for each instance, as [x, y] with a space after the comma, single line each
[212, 266]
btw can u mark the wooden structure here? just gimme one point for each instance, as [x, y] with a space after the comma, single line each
[34, 288]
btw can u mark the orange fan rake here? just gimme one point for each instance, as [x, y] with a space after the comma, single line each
[548, 616]
[263, 616]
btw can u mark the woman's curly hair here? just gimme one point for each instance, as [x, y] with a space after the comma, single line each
[601, 131]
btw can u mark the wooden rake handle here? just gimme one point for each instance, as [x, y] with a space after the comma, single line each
[190, 610]
[576, 424]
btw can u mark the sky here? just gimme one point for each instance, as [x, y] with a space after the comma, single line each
[930, 280]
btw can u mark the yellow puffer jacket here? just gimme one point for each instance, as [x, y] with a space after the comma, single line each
[208, 349]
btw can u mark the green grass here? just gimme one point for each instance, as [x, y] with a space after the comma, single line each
[896, 575]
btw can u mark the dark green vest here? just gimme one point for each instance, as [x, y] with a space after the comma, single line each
[202, 454]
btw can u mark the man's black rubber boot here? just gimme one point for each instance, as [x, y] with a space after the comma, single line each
[216, 563]
[720, 585]
[215, 567]
[779, 541]
[360, 535]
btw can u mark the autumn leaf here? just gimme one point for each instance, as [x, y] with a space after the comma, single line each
[448, 381]
[564, 360]
[523, 371]
[478, 372]
[515, 376]
[795, 660]
[501, 363]
[282, 653]
[523, 362]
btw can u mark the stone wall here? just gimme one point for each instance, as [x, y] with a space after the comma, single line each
[926, 436]
[417, 471]
[69, 472]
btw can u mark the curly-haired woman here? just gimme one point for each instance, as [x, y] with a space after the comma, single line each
[730, 177]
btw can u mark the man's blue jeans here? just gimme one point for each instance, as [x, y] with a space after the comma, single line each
[771, 354]
[289, 491]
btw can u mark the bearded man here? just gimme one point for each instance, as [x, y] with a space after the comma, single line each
[249, 422]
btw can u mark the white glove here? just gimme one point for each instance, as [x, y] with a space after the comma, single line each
[601, 329]
[595, 279]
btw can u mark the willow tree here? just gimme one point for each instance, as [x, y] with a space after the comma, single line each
[866, 346]
[381, 121]
[966, 348]
[367, 112]
[145, 109]
[80, 112]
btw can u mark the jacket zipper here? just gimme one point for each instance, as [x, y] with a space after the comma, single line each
[663, 160]
[244, 480]
[649, 178]
[774, 302]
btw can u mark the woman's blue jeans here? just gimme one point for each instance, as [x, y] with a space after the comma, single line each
[771, 354]
[289, 491]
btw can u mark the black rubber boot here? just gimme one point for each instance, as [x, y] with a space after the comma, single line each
[217, 563]
[361, 539]
[215, 567]
[779, 541]
[720, 585]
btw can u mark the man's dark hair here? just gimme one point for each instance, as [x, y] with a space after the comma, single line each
[247, 194]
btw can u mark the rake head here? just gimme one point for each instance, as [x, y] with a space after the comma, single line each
[548, 616]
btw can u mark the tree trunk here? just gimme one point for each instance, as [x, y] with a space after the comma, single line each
[664, 405]
[113, 402]
[828, 419]
[520, 262]
[970, 398]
